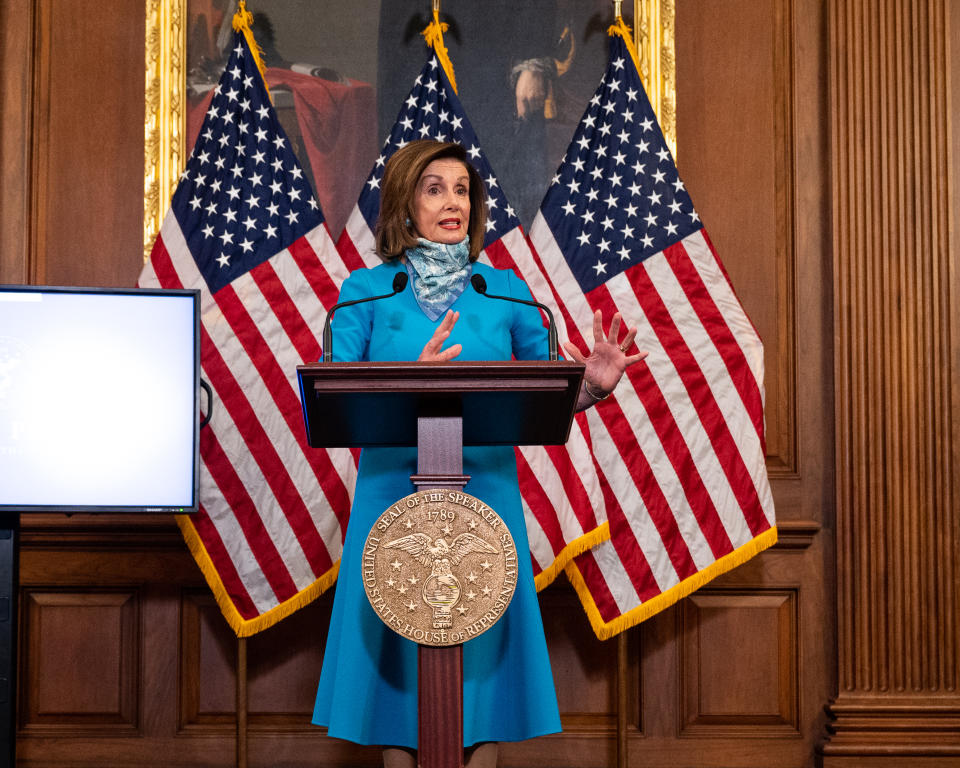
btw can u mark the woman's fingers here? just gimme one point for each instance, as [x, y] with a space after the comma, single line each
[614, 328]
[574, 352]
[628, 339]
[613, 333]
[448, 321]
[445, 327]
[598, 326]
[432, 349]
[450, 352]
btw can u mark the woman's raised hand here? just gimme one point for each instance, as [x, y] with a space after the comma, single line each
[432, 351]
[607, 361]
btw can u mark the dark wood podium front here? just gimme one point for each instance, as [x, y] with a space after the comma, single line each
[439, 408]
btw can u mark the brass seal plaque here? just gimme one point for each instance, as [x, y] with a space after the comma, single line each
[439, 567]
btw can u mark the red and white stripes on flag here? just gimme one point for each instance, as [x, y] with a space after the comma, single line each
[245, 229]
[560, 486]
[561, 492]
[679, 445]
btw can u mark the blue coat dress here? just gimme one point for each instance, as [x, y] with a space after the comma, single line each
[368, 685]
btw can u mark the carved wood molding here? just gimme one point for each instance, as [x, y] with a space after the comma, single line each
[899, 724]
[97, 532]
[35, 267]
[782, 439]
[796, 534]
[16, 99]
[895, 315]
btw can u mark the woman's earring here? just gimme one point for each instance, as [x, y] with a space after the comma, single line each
[408, 222]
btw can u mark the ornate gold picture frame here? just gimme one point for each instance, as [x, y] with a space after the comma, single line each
[166, 95]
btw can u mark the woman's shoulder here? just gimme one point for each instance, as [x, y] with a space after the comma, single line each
[374, 276]
[501, 281]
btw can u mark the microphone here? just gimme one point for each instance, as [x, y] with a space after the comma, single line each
[399, 283]
[480, 286]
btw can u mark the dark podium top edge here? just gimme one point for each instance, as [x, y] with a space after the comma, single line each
[367, 404]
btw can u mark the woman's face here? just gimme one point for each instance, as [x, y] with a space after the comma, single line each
[441, 202]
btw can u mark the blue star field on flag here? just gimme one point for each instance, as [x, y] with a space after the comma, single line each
[242, 197]
[616, 198]
[433, 111]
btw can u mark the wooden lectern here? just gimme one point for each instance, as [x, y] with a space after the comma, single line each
[439, 408]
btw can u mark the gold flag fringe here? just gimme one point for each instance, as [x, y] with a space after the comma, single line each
[619, 27]
[241, 626]
[576, 547]
[433, 34]
[247, 627]
[606, 630]
[242, 22]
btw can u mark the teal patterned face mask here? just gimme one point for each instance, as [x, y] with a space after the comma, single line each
[439, 272]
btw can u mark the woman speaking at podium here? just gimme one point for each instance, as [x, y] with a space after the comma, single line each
[431, 227]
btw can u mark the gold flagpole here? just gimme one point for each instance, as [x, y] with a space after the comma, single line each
[241, 694]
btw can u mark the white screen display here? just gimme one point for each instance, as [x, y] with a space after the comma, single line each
[98, 399]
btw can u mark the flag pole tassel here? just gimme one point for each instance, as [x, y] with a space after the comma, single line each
[433, 34]
[243, 22]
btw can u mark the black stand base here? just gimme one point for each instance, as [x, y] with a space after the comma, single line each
[9, 586]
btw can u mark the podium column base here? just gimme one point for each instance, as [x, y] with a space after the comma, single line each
[440, 721]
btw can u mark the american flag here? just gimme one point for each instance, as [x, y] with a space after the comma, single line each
[244, 227]
[559, 485]
[680, 444]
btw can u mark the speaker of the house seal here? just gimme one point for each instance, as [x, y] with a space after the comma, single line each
[439, 567]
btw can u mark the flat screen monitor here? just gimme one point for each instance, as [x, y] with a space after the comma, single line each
[99, 399]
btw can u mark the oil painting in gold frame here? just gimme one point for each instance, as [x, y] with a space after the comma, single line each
[166, 95]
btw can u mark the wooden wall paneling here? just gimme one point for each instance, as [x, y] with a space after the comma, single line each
[753, 141]
[659, 692]
[80, 683]
[744, 688]
[39, 140]
[284, 667]
[584, 668]
[585, 678]
[953, 190]
[734, 129]
[111, 555]
[739, 663]
[284, 664]
[812, 568]
[16, 91]
[160, 612]
[208, 652]
[87, 145]
[896, 307]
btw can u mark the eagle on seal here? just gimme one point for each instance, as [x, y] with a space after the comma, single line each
[425, 550]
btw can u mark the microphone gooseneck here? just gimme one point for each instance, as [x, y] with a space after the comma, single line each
[480, 286]
[399, 284]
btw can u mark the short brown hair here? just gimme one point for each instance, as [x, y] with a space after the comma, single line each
[395, 233]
